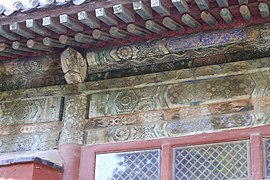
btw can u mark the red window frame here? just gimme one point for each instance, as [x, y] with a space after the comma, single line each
[255, 136]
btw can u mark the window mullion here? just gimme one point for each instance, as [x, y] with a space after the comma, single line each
[256, 156]
[166, 161]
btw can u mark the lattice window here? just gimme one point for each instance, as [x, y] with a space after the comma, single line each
[267, 158]
[135, 165]
[212, 162]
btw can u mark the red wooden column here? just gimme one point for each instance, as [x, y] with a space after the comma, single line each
[256, 155]
[87, 164]
[70, 153]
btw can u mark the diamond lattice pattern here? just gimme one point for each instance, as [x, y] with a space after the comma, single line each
[267, 158]
[136, 165]
[212, 162]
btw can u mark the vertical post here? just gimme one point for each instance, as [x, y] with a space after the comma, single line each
[71, 137]
[70, 153]
[165, 165]
[73, 119]
[88, 158]
[256, 155]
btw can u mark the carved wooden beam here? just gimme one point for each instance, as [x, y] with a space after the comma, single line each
[74, 66]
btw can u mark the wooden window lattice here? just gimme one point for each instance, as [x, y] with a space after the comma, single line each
[133, 165]
[213, 162]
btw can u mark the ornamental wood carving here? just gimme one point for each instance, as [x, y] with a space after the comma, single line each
[74, 66]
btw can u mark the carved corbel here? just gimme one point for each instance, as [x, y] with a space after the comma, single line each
[74, 66]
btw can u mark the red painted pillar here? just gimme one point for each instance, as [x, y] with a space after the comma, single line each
[87, 163]
[70, 153]
[256, 155]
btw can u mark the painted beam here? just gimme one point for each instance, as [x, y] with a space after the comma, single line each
[154, 27]
[245, 12]
[190, 21]
[97, 34]
[4, 48]
[142, 10]
[69, 41]
[88, 19]
[223, 3]
[106, 16]
[202, 4]
[8, 55]
[16, 45]
[119, 33]
[32, 44]
[226, 15]
[243, 1]
[123, 13]
[181, 5]
[52, 43]
[171, 24]
[160, 7]
[4, 32]
[83, 38]
[136, 30]
[54, 25]
[70, 23]
[208, 18]
[264, 9]
[20, 29]
[36, 27]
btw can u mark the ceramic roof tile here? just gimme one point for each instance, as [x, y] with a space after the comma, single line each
[7, 8]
